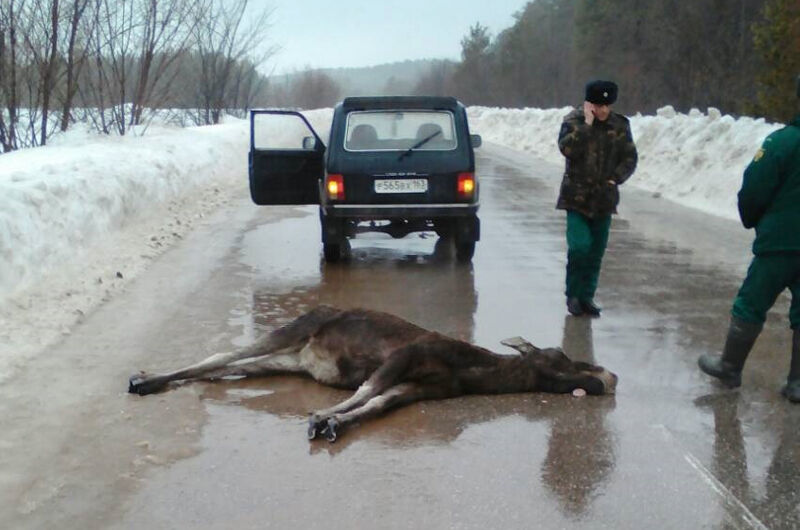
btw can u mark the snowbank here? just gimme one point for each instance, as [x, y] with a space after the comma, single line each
[695, 159]
[59, 199]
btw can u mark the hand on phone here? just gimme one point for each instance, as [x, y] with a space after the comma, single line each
[588, 112]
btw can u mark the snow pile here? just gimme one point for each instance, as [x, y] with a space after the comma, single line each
[532, 130]
[695, 159]
[57, 200]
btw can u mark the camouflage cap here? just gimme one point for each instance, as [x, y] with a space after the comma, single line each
[601, 92]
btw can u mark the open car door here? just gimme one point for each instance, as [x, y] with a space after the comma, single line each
[287, 158]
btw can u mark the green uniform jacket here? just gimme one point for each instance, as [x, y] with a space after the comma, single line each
[770, 196]
[595, 154]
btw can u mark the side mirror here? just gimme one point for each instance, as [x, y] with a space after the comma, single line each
[309, 143]
[475, 140]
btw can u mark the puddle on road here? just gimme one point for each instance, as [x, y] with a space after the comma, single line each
[424, 465]
[286, 253]
[479, 460]
[415, 277]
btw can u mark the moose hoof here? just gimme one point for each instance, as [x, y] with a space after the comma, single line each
[330, 430]
[315, 426]
[139, 384]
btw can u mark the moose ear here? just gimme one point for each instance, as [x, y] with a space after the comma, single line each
[520, 344]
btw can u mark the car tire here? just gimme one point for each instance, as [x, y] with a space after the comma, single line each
[444, 228]
[464, 251]
[332, 252]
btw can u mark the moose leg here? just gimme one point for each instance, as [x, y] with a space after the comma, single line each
[144, 383]
[317, 420]
[286, 340]
[383, 378]
[401, 394]
[272, 364]
[363, 394]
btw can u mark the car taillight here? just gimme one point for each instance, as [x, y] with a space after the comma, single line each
[334, 184]
[466, 185]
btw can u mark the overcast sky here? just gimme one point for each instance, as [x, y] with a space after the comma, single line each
[331, 33]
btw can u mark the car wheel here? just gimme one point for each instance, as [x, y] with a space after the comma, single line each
[332, 252]
[465, 250]
[444, 228]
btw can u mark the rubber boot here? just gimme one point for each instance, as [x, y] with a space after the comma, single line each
[590, 308]
[728, 367]
[574, 306]
[791, 390]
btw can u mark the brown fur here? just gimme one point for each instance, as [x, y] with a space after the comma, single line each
[389, 362]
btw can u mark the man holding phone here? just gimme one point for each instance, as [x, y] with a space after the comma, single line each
[600, 155]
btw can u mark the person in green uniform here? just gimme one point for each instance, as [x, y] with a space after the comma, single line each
[769, 201]
[600, 155]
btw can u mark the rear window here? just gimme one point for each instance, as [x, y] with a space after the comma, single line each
[399, 130]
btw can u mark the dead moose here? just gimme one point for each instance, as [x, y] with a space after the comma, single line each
[389, 362]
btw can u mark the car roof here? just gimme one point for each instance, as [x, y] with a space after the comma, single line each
[400, 102]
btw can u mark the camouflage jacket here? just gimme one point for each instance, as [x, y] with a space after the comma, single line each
[596, 154]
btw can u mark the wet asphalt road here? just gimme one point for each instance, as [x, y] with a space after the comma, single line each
[670, 450]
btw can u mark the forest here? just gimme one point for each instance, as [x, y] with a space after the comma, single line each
[740, 56]
[115, 64]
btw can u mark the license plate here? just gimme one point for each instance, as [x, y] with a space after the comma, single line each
[401, 185]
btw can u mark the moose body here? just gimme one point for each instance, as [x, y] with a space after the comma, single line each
[389, 362]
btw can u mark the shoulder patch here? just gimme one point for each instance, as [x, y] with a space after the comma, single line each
[759, 155]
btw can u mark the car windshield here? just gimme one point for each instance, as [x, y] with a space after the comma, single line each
[400, 130]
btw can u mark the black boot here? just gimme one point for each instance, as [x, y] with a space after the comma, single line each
[590, 308]
[574, 306]
[728, 368]
[792, 389]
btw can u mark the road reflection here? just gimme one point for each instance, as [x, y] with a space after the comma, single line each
[581, 450]
[776, 504]
[420, 282]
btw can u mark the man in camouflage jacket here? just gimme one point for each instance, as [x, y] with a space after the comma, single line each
[600, 155]
[769, 201]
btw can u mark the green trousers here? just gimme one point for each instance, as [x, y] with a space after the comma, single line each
[586, 243]
[767, 277]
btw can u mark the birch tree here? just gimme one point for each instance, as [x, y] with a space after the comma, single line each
[221, 41]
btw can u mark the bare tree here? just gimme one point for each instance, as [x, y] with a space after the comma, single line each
[93, 91]
[8, 75]
[249, 89]
[314, 89]
[49, 66]
[42, 43]
[221, 42]
[166, 26]
[75, 59]
[114, 57]
[40, 46]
